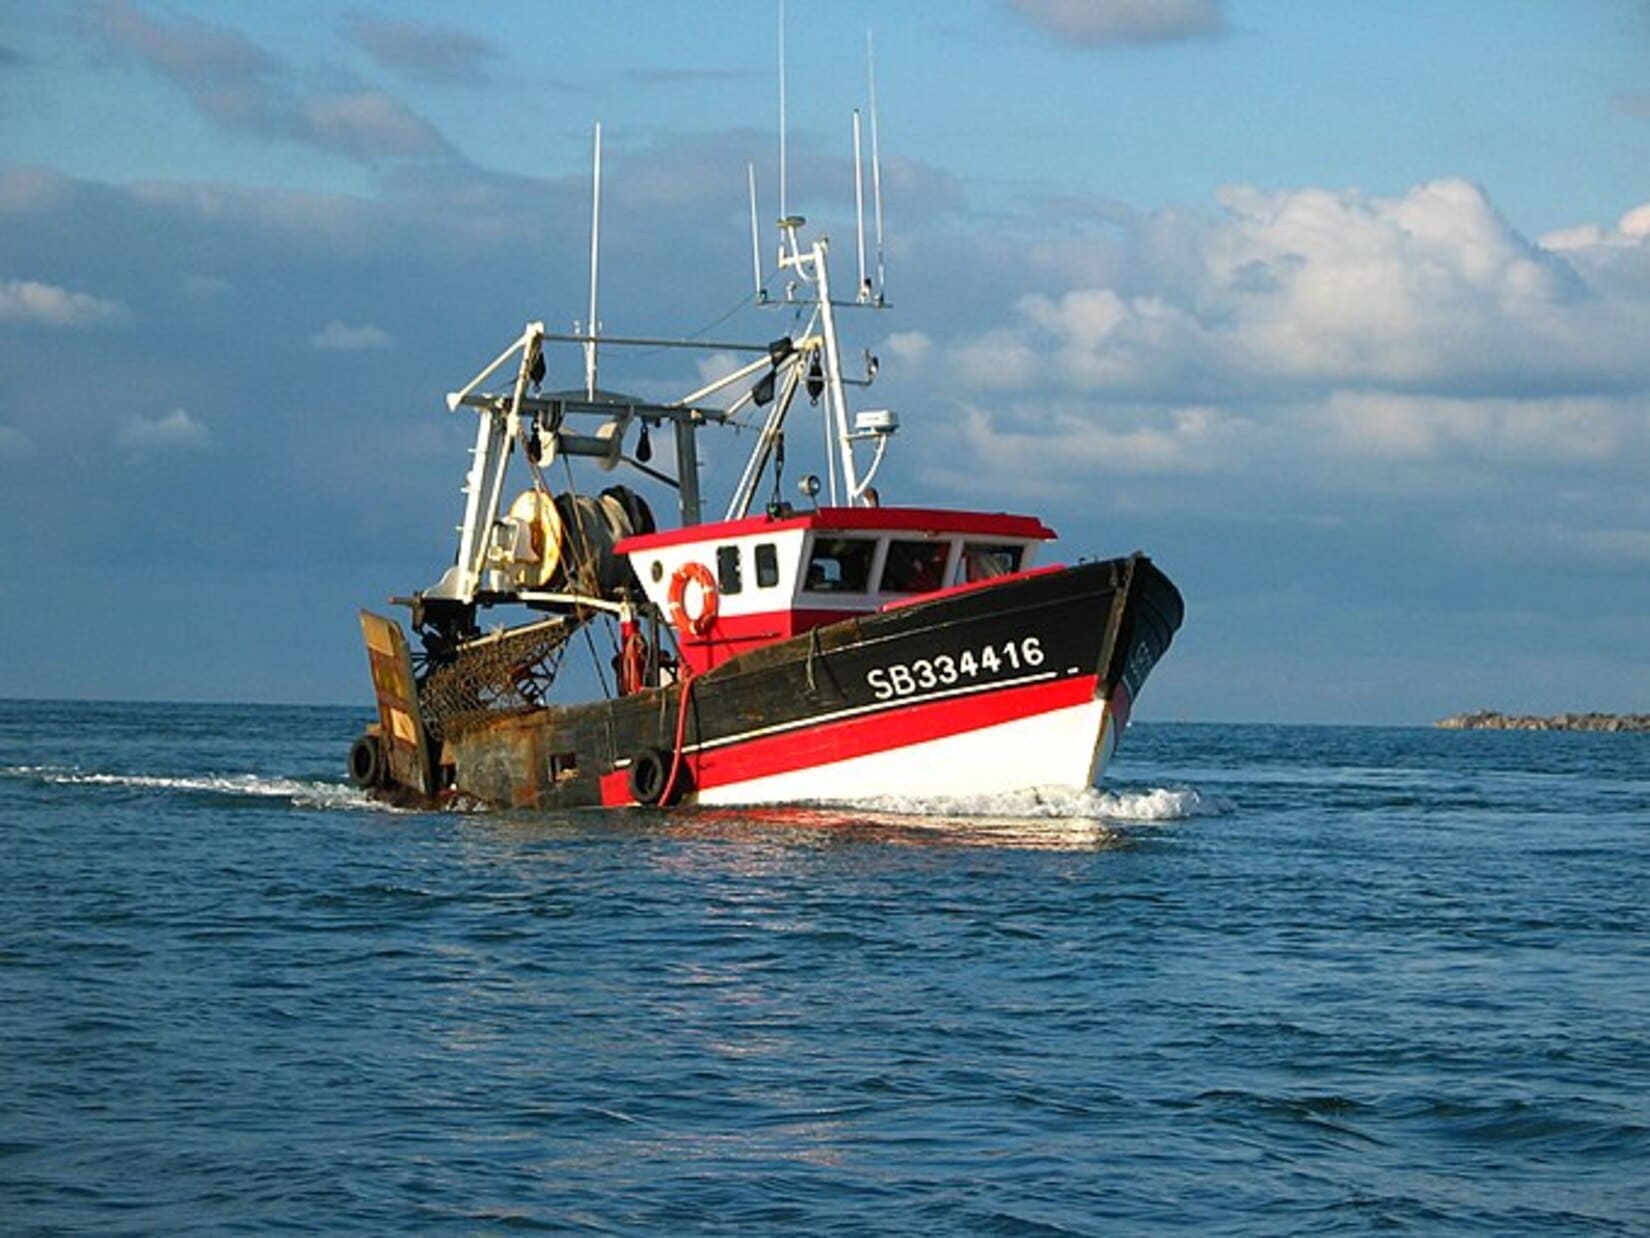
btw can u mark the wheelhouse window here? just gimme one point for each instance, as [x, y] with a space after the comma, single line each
[728, 576]
[767, 565]
[840, 565]
[914, 567]
[984, 561]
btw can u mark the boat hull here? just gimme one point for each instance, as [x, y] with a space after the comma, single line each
[1022, 682]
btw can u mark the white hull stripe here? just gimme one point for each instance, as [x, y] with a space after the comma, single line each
[1067, 747]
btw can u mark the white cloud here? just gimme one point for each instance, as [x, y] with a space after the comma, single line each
[177, 430]
[47, 305]
[1534, 431]
[717, 366]
[1631, 231]
[338, 221]
[1323, 343]
[1310, 291]
[1034, 449]
[911, 347]
[1124, 21]
[1001, 360]
[341, 337]
[1612, 547]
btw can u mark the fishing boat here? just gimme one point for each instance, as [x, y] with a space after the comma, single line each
[826, 648]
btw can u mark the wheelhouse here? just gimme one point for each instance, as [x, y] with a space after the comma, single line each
[730, 587]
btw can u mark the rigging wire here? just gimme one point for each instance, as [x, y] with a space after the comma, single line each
[743, 303]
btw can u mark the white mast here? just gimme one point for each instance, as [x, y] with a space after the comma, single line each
[783, 204]
[876, 156]
[591, 327]
[756, 244]
[859, 211]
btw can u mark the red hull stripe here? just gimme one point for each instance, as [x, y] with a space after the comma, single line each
[863, 734]
[616, 789]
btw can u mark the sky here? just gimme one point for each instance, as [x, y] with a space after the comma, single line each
[1341, 312]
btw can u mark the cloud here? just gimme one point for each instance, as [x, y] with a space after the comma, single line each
[1036, 441]
[341, 337]
[335, 221]
[419, 50]
[1632, 231]
[1096, 22]
[1610, 547]
[366, 125]
[1294, 349]
[909, 346]
[1541, 432]
[176, 431]
[240, 86]
[47, 305]
[32, 189]
[1304, 292]
[194, 53]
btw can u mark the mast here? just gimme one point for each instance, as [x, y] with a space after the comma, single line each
[595, 262]
[864, 289]
[756, 244]
[876, 158]
[784, 212]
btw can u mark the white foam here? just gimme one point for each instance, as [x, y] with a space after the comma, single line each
[1155, 806]
[1162, 804]
[300, 793]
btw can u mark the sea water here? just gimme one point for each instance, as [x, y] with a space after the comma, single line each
[1270, 980]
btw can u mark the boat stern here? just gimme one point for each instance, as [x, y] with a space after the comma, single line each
[393, 756]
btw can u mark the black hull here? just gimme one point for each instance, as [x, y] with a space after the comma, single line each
[1093, 631]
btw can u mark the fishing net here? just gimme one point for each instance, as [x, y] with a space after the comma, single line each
[502, 674]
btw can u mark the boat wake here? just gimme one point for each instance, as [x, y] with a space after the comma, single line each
[300, 793]
[1158, 805]
[1045, 818]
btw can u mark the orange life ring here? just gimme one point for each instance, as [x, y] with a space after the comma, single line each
[688, 623]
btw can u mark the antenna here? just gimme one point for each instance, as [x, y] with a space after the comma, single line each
[756, 245]
[783, 204]
[595, 261]
[876, 156]
[859, 210]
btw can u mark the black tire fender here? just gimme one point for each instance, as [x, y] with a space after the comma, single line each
[649, 772]
[367, 768]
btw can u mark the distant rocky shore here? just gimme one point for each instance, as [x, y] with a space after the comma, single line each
[1490, 720]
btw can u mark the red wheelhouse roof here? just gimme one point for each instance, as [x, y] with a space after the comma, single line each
[851, 519]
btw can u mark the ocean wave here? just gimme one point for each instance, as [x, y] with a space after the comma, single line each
[300, 793]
